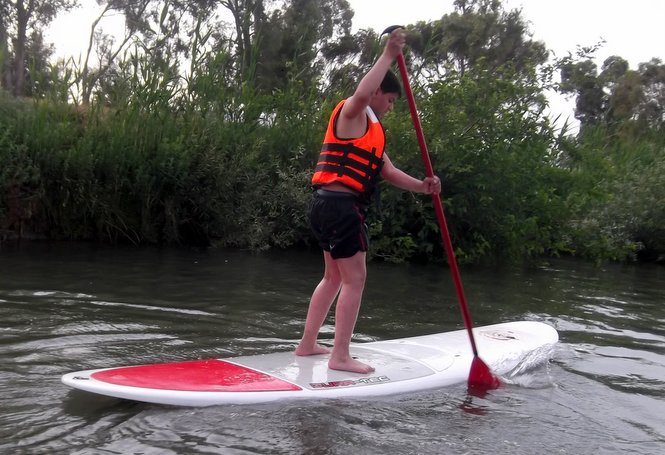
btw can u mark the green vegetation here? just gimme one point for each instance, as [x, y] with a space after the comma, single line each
[212, 139]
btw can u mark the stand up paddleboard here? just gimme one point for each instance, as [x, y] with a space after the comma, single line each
[402, 365]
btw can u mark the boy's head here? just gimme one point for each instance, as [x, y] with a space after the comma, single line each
[385, 96]
[390, 84]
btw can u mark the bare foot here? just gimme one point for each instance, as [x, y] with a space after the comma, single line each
[351, 365]
[313, 350]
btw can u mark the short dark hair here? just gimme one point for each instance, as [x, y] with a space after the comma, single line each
[390, 84]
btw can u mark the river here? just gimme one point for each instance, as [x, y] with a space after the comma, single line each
[67, 307]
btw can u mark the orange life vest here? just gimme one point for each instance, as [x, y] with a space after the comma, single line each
[355, 163]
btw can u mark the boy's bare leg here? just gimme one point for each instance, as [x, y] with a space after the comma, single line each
[353, 272]
[319, 305]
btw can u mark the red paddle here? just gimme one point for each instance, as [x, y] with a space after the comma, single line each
[480, 376]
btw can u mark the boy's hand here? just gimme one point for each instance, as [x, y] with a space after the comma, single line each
[395, 43]
[432, 185]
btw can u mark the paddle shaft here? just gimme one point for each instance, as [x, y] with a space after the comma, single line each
[445, 235]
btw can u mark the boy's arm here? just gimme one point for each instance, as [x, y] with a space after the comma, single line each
[400, 179]
[355, 106]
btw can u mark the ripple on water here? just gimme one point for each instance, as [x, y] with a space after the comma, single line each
[601, 393]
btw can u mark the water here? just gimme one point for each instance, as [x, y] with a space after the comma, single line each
[69, 307]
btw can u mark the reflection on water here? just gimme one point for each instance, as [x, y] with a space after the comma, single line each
[70, 307]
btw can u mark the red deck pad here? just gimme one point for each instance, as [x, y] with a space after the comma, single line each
[195, 376]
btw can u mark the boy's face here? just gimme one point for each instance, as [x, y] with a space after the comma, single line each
[383, 102]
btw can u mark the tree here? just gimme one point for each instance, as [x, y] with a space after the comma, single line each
[22, 20]
[135, 20]
[349, 60]
[248, 17]
[616, 97]
[163, 29]
[582, 78]
[291, 46]
[275, 45]
[651, 108]
[478, 31]
[38, 77]
[5, 81]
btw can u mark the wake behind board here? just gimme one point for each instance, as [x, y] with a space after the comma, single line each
[402, 365]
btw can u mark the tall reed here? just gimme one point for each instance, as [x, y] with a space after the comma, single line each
[161, 160]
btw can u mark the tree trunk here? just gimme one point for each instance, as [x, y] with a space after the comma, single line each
[4, 52]
[23, 13]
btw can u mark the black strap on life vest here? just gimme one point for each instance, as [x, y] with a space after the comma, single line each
[344, 165]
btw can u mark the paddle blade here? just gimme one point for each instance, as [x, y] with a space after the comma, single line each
[480, 376]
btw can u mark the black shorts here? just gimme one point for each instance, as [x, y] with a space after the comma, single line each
[338, 222]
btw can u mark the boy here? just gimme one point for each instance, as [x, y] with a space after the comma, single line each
[351, 160]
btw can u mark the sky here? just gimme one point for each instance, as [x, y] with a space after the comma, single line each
[631, 29]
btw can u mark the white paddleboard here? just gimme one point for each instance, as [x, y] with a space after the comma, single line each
[402, 365]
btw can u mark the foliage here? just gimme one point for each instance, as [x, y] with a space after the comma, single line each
[141, 171]
[616, 95]
[491, 147]
[23, 54]
[193, 132]
[615, 201]
[478, 32]
[618, 157]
